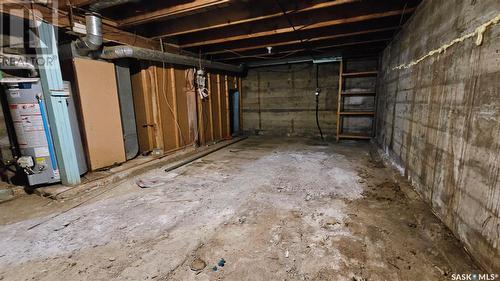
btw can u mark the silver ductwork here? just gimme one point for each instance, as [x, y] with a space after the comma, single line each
[9, 61]
[119, 52]
[93, 39]
[104, 4]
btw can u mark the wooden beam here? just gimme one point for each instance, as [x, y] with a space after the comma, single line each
[76, 3]
[61, 20]
[293, 50]
[238, 13]
[156, 109]
[289, 29]
[177, 10]
[219, 105]
[202, 140]
[308, 40]
[348, 29]
[176, 117]
[210, 109]
[226, 96]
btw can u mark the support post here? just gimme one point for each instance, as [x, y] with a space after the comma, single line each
[56, 101]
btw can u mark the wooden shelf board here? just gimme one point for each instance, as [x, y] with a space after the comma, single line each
[354, 136]
[362, 73]
[357, 113]
[347, 93]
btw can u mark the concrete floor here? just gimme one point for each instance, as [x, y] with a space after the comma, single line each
[273, 208]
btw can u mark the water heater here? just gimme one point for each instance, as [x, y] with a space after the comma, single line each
[32, 127]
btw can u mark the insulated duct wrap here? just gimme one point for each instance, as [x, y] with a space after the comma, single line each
[9, 61]
[119, 52]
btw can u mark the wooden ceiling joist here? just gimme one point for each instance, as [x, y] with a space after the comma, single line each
[63, 4]
[296, 50]
[110, 33]
[210, 39]
[177, 10]
[238, 13]
[308, 40]
[343, 30]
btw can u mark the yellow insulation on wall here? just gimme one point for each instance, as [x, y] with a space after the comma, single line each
[479, 32]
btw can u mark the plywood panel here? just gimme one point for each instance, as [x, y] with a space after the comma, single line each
[167, 108]
[100, 110]
[143, 115]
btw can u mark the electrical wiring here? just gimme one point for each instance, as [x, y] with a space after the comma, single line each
[295, 31]
[283, 71]
[166, 100]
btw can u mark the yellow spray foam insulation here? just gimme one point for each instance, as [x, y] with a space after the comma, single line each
[479, 32]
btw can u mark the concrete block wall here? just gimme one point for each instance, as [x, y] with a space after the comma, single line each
[440, 119]
[279, 100]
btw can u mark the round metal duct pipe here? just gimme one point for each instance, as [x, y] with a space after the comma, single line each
[93, 39]
[118, 52]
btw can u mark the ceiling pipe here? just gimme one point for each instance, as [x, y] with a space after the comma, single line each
[104, 4]
[93, 38]
[119, 52]
[93, 42]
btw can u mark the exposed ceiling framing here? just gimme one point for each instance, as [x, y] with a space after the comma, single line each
[240, 30]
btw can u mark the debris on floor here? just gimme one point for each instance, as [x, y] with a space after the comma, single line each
[155, 181]
[229, 209]
[197, 265]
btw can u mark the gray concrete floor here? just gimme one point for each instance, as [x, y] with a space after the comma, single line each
[273, 208]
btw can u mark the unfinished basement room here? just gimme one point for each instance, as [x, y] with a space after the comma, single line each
[344, 140]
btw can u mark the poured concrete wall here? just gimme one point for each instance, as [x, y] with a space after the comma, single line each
[439, 119]
[279, 100]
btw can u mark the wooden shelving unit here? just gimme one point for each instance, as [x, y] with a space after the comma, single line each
[341, 113]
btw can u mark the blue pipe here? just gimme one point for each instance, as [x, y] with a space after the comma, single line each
[47, 134]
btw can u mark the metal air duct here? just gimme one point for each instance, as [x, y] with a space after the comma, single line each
[93, 39]
[9, 61]
[119, 52]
